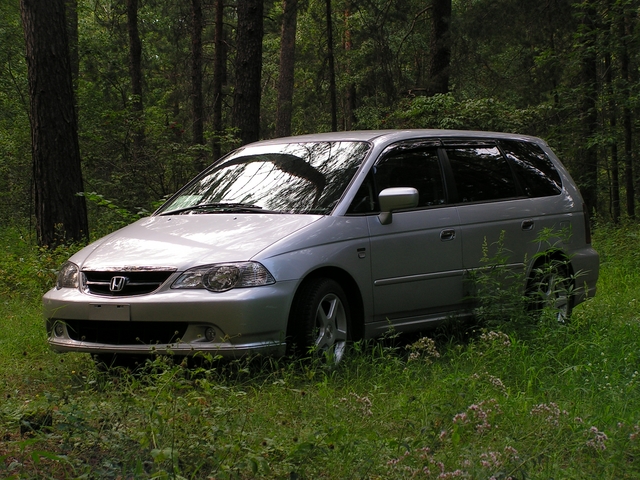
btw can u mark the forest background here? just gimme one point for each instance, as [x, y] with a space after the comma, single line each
[162, 88]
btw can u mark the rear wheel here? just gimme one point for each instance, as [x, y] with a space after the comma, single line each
[550, 289]
[320, 319]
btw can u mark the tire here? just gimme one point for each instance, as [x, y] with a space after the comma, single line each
[320, 320]
[550, 289]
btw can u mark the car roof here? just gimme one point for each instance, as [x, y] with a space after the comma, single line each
[392, 136]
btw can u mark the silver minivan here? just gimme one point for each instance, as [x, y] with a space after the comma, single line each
[316, 240]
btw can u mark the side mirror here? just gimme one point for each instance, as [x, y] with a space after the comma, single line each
[396, 198]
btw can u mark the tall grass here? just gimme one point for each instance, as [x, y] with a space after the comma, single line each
[512, 400]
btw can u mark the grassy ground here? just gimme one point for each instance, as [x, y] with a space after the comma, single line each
[517, 400]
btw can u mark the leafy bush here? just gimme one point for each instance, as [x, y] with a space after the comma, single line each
[445, 111]
[27, 270]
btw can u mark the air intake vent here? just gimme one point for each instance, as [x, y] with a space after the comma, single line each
[125, 333]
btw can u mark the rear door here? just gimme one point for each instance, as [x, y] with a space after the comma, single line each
[541, 181]
[497, 219]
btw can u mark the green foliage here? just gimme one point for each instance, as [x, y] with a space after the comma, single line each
[498, 291]
[25, 269]
[502, 293]
[511, 399]
[106, 216]
[15, 142]
[515, 66]
[448, 112]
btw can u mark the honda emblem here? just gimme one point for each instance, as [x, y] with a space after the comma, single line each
[118, 283]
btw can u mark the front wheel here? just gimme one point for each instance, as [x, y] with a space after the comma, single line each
[320, 319]
[550, 289]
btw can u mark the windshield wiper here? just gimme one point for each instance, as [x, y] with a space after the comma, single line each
[220, 207]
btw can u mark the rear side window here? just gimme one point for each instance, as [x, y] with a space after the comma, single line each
[481, 174]
[535, 171]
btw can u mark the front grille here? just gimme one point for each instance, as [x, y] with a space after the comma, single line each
[125, 333]
[126, 283]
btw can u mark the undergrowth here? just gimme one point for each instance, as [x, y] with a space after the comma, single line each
[501, 399]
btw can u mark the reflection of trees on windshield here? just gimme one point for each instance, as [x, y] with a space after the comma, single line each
[290, 164]
[308, 177]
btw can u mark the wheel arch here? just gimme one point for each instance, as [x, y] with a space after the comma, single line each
[351, 290]
[550, 255]
[541, 258]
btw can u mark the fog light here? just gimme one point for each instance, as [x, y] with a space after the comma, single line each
[210, 334]
[58, 329]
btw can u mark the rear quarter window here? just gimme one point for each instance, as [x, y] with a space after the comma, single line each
[533, 168]
[481, 174]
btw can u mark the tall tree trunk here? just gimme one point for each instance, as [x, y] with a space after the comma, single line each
[246, 105]
[627, 123]
[219, 60]
[61, 215]
[440, 47]
[332, 68]
[613, 121]
[587, 162]
[287, 64]
[135, 71]
[350, 90]
[71, 14]
[196, 80]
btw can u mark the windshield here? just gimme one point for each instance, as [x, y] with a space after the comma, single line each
[287, 178]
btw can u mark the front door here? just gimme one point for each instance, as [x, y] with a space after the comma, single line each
[417, 258]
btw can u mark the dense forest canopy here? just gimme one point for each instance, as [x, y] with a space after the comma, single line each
[153, 113]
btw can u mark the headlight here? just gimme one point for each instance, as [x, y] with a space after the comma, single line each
[68, 276]
[225, 276]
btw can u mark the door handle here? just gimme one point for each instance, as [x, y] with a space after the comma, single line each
[527, 225]
[447, 234]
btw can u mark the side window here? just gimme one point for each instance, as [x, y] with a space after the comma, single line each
[419, 169]
[535, 171]
[481, 174]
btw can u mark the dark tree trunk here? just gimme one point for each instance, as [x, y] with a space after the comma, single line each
[350, 90]
[332, 69]
[613, 121]
[624, 31]
[219, 60]
[246, 105]
[440, 47]
[61, 215]
[135, 71]
[71, 14]
[196, 80]
[587, 162]
[628, 163]
[287, 64]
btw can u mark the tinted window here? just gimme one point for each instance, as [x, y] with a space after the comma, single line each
[536, 174]
[481, 174]
[417, 169]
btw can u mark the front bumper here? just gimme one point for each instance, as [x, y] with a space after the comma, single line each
[183, 322]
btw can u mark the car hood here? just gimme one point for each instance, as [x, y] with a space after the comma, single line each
[185, 241]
